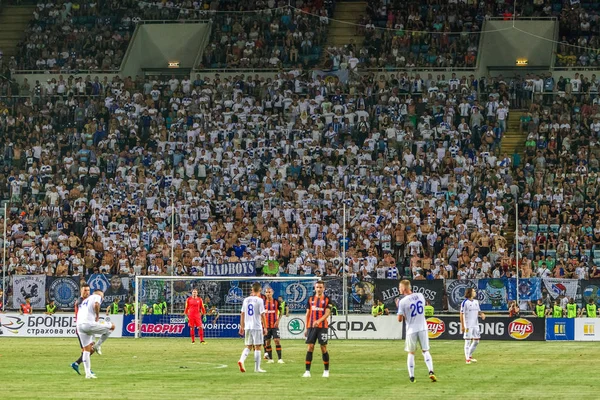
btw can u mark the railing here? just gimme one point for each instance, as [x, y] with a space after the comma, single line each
[172, 21]
[417, 69]
[519, 18]
[62, 71]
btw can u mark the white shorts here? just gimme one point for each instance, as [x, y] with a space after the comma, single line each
[254, 337]
[472, 333]
[412, 339]
[88, 330]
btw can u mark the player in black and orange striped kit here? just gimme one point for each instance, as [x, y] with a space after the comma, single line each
[318, 310]
[272, 316]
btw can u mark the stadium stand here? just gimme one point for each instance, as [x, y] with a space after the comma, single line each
[94, 35]
[273, 38]
[394, 34]
[257, 167]
[560, 232]
[107, 166]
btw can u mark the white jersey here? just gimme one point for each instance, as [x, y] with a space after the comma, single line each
[253, 307]
[470, 309]
[86, 312]
[412, 308]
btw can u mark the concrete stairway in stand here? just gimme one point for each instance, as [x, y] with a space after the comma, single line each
[342, 28]
[513, 141]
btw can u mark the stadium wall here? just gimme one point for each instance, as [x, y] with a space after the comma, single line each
[502, 44]
[155, 45]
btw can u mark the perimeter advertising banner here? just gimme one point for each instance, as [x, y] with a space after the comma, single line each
[42, 325]
[223, 326]
[587, 329]
[357, 326]
[493, 328]
[560, 328]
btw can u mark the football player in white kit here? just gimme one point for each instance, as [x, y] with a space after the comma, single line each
[469, 323]
[88, 325]
[254, 325]
[411, 310]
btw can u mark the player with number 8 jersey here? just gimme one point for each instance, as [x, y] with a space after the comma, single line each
[253, 326]
[411, 310]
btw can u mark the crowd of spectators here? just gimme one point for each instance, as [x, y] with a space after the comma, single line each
[257, 169]
[579, 30]
[559, 190]
[71, 36]
[271, 38]
[66, 36]
[418, 33]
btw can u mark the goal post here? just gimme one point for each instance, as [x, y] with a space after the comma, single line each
[160, 302]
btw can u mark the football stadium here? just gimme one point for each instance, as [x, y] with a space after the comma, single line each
[299, 199]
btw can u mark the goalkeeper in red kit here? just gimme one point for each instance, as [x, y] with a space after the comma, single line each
[194, 310]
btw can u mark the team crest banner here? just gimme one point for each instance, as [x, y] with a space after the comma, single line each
[115, 287]
[63, 290]
[31, 286]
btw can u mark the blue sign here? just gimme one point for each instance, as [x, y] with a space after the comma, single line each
[560, 329]
[98, 282]
[63, 290]
[246, 268]
[529, 289]
[216, 327]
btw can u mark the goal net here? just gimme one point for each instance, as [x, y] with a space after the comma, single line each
[160, 302]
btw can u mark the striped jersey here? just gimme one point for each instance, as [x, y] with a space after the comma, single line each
[272, 312]
[316, 307]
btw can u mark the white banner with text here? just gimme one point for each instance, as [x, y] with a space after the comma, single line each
[357, 326]
[43, 325]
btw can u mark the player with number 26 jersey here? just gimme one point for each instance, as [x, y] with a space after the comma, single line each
[411, 308]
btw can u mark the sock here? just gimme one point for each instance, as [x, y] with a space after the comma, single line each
[309, 355]
[428, 361]
[278, 349]
[473, 347]
[86, 362]
[467, 347]
[410, 363]
[326, 361]
[192, 334]
[80, 359]
[103, 338]
[257, 360]
[269, 351]
[244, 354]
[201, 333]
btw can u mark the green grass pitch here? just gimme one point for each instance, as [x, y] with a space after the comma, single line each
[158, 368]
